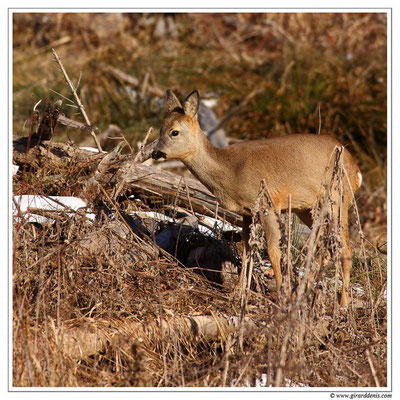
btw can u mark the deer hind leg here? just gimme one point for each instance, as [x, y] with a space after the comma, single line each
[306, 217]
[273, 236]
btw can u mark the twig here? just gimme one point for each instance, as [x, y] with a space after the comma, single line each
[65, 98]
[174, 204]
[289, 240]
[243, 371]
[319, 119]
[226, 363]
[373, 370]
[144, 84]
[283, 356]
[78, 101]
[188, 197]
[75, 124]
[145, 152]
[44, 49]
[162, 334]
[138, 156]
[79, 80]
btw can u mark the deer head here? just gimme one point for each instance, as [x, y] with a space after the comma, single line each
[180, 133]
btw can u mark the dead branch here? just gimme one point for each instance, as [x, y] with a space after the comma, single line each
[49, 121]
[78, 100]
[75, 124]
[45, 127]
[125, 78]
[146, 181]
[137, 157]
[145, 153]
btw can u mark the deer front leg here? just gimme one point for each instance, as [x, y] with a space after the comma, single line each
[245, 242]
[273, 236]
[246, 234]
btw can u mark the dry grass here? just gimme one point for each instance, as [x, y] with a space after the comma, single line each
[103, 288]
[102, 284]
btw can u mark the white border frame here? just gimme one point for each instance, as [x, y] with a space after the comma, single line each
[206, 9]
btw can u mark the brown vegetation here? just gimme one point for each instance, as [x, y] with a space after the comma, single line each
[101, 302]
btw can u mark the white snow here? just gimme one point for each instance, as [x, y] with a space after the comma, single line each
[25, 203]
[92, 149]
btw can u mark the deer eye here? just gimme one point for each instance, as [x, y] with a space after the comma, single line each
[174, 133]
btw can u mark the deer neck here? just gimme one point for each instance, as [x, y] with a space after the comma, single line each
[207, 163]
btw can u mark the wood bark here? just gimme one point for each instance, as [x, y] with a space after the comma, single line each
[79, 339]
[146, 181]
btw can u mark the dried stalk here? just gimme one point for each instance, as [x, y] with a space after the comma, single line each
[254, 248]
[78, 101]
[138, 156]
[289, 241]
[372, 367]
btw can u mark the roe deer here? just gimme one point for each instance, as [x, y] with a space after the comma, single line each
[293, 164]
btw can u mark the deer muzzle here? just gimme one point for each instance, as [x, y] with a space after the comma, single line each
[157, 154]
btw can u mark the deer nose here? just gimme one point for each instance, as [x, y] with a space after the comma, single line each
[157, 154]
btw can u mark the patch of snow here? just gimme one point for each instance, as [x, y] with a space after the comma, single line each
[92, 149]
[26, 202]
[290, 383]
[91, 216]
[221, 225]
[358, 288]
[153, 215]
[261, 382]
[203, 228]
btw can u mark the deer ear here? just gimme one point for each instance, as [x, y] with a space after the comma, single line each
[171, 102]
[191, 104]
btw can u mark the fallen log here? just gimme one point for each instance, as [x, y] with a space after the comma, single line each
[181, 191]
[81, 338]
[109, 170]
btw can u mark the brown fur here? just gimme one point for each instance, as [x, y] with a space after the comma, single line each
[292, 164]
